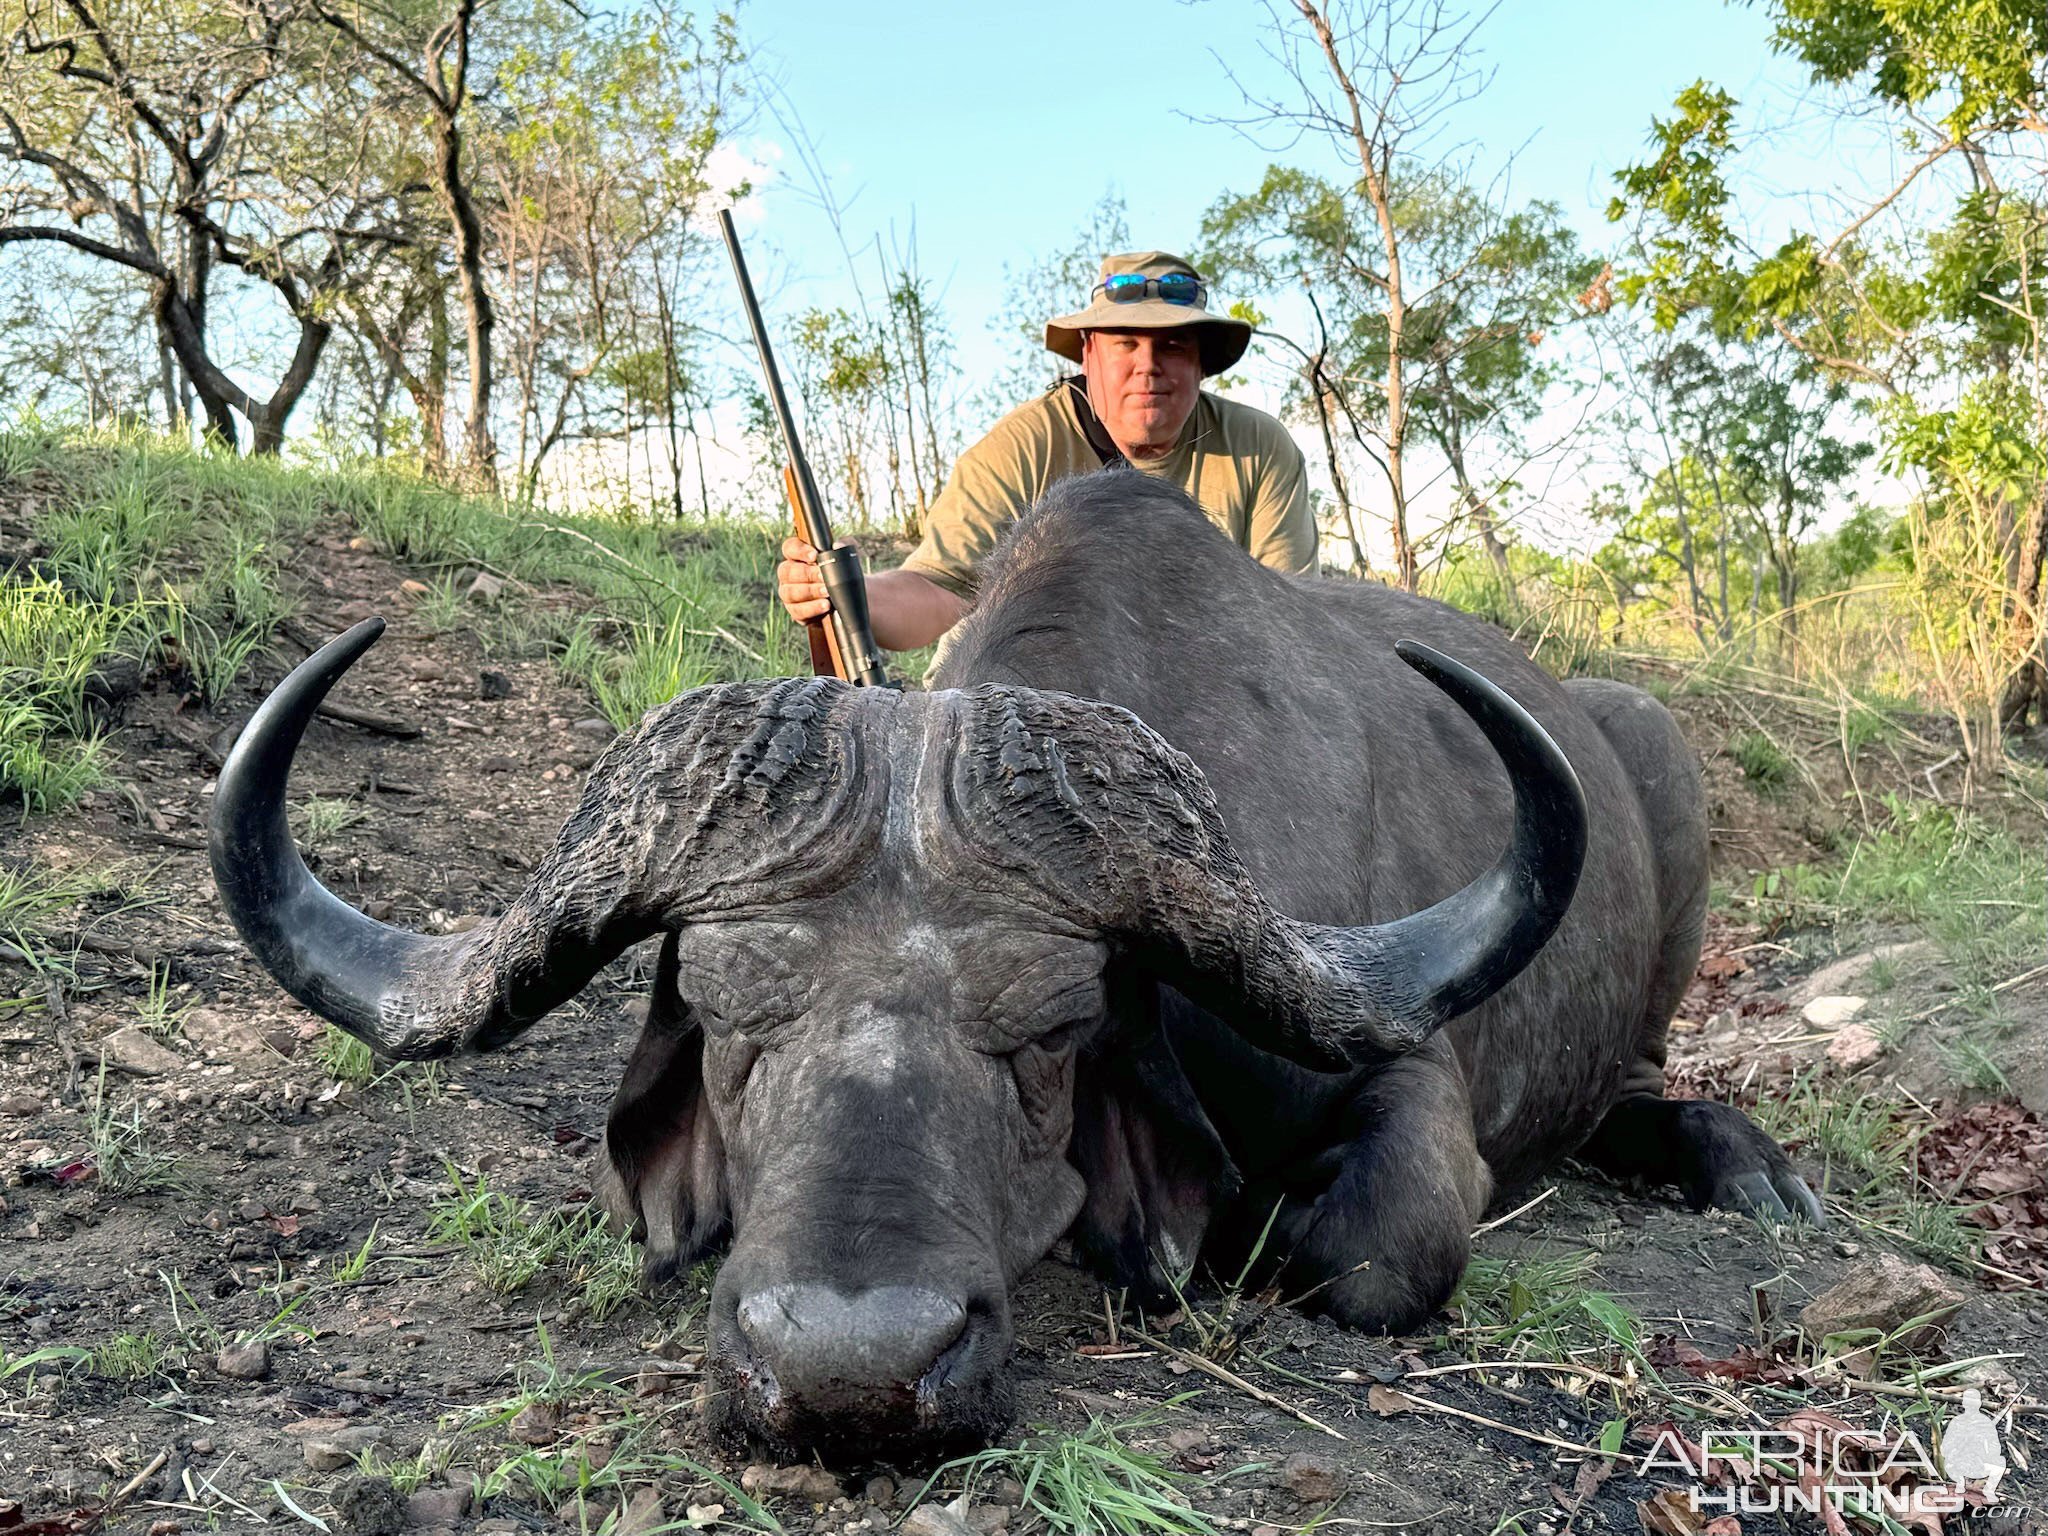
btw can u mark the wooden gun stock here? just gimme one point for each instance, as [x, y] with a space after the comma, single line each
[822, 633]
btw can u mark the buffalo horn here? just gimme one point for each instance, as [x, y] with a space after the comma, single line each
[1359, 995]
[1121, 830]
[408, 995]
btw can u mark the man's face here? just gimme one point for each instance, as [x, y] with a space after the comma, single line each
[1142, 385]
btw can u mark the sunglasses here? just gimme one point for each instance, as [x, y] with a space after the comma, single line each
[1129, 288]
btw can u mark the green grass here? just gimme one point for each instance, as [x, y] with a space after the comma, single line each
[130, 1357]
[183, 561]
[1979, 892]
[1088, 1484]
[1762, 761]
[345, 1058]
[125, 1151]
[1543, 1309]
[511, 1247]
[1874, 1143]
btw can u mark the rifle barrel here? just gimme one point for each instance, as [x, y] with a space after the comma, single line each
[810, 506]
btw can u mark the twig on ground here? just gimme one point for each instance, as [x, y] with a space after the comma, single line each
[1500, 1221]
[1232, 1379]
[128, 1491]
[370, 720]
[1517, 1365]
[1430, 1405]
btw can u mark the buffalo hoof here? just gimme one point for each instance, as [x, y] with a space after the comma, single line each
[1713, 1152]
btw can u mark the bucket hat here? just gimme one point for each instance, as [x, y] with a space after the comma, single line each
[1222, 338]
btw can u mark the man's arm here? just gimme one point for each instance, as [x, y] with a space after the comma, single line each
[905, 610]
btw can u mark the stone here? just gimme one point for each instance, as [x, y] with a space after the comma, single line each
[813, 1484]
[217, 1032]
[1832, 1012]
[370, 1506]
[938, 1520]
[136, 1050]
[244, 1362]
[491, 684]
[641, 1516]
[437, 1506]
[332, 1449]
[1311, 1478]
[1855, 1046]
[1879, 1298]
[880, 1492]
[18, 1104]
[536, 1424]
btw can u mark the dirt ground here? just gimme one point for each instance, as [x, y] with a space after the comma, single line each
[283, 1175]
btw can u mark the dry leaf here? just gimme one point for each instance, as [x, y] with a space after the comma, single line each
[1385, 1400]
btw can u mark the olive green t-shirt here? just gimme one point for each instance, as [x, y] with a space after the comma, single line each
[1238, 463]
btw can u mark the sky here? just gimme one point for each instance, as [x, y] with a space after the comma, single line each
[983, 134]
[990, 130]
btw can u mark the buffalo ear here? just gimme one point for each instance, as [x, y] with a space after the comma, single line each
[1155, 1167]
[662, 1165]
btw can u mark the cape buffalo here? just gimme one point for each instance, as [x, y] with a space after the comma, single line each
[1139, 927]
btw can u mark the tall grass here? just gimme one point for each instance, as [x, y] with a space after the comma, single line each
[182, 561]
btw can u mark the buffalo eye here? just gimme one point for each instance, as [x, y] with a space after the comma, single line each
[1043, 1071]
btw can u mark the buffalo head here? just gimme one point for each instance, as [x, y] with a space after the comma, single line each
[891, 921]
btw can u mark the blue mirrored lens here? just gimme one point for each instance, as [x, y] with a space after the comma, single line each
[1180, 289]
[1124, 288]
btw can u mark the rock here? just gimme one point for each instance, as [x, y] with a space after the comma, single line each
[437, 1506]
[136, 1050]
[492, 684]
[642, 1516]
[486, 588]
[1854, 1046]
[990, 1519]
[536, 1424]
[370, 1506]
[880, 1492]
[244, 1362]
[1833, 1011]
[498, 762]
[331, 1450]
[1847, 973]
[594, 727]
[19, 1104]
[813, 1484]
[1878, 1299]
[1311, 1478]
[938, 1520]
[218, 1033]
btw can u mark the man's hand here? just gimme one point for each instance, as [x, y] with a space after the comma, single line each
[904, 609]
[798, 584]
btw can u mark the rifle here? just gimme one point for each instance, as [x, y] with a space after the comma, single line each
[842, 644]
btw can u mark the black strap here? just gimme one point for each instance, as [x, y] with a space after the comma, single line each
[1092, 429]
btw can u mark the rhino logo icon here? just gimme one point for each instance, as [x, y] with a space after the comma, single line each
[1970, 1451]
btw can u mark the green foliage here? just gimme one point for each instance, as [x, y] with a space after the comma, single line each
[1543, 1309]
[511, 1247]
[1762, 761]
[1088, 1484]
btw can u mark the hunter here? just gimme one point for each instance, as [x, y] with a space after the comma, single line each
[1145, 343]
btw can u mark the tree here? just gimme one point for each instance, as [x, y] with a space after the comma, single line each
[156, 136]
[1485, 288]
[1376, 86]
[1928, 301]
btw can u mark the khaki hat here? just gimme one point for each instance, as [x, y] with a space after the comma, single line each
[1223, 339]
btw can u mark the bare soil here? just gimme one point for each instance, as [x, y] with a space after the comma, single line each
[284, 1175]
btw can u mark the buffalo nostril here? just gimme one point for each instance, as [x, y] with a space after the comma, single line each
[812, 1335]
